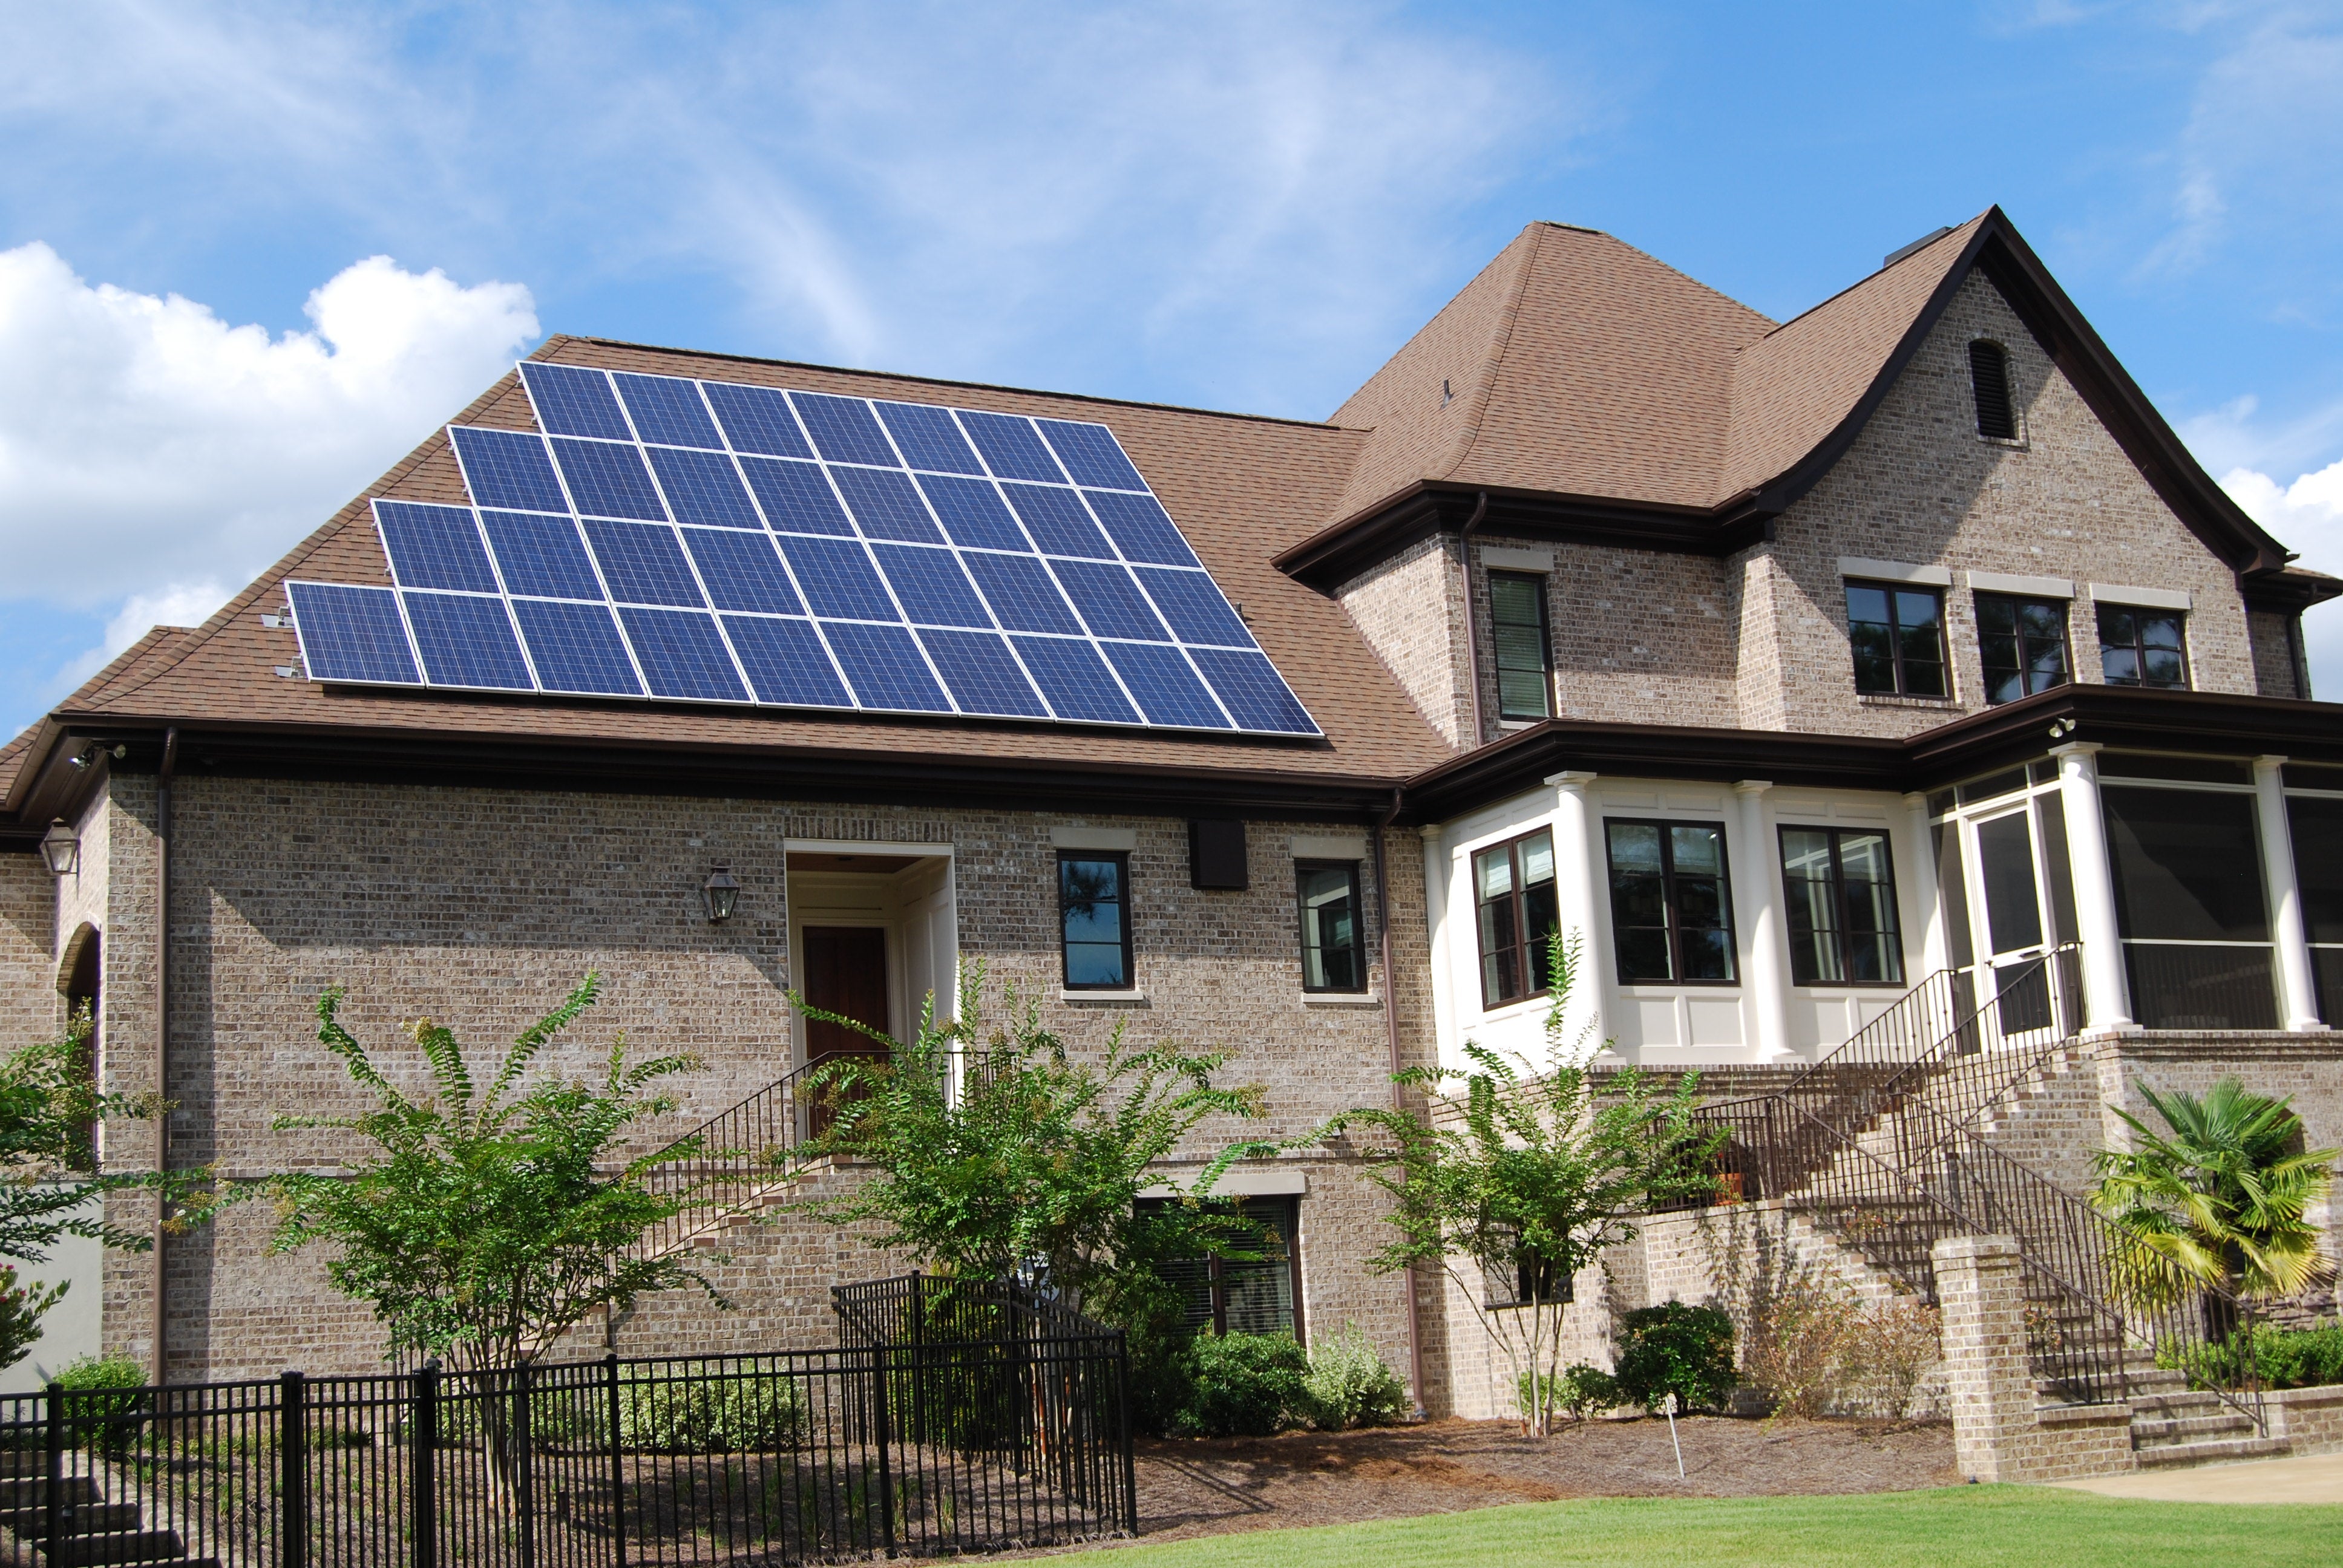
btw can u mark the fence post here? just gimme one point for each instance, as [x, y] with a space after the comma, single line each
[293, 1472]
[524, 1468]
[618, 1461]
[53, 1528]
[423, 1488]
[886, 1474]
[1130, 1463]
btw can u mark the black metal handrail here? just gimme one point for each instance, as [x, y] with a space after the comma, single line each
[739, 1154]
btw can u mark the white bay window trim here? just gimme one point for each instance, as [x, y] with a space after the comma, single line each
[1757, 901]
[2294, 988]
[2106, 992]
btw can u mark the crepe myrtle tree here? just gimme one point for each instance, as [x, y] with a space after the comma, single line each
[51, 1108]
[484, 1225]
[1515, 1174]
[997, 1152]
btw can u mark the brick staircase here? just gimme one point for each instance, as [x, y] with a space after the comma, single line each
[1913, 1133]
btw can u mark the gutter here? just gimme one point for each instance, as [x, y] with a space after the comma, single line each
[1399, 1102]
[1471, 627]
[163, 1031]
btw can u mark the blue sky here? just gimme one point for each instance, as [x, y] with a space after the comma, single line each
[250, 255]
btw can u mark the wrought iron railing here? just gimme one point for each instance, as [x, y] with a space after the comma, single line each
[1883, 1141]
[738, 1155]
[943, 1447]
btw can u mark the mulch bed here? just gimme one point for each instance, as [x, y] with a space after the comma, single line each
[1210, 1487]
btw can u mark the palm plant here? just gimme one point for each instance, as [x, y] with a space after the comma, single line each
[2216, 1203]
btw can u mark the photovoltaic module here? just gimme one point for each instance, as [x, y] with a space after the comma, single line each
[712, 541]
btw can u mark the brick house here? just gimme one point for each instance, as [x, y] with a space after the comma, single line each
[1785, 666]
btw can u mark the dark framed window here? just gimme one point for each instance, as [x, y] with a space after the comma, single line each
[2143, 647]
[1512, 885]
[1094, 919]
[1841, 884]
[1331, 958]
[2022, 643]
[1257, 1297]
[1997, 413]
[2191, 906]
[1525, 649]
[1897, 633]
[1671, 901]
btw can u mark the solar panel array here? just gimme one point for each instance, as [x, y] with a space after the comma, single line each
[712, 541]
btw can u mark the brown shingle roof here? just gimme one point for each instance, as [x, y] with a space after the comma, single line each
[1241, 490]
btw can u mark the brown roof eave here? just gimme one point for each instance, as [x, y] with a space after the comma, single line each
[2124, 718]
[435, 757]
[1335, 555]
[49, 786]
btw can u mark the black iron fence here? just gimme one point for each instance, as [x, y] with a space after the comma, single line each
[937, 1445]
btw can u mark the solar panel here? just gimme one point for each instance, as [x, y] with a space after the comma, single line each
[718, 542]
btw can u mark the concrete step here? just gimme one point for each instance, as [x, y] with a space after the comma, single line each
[80, 1519]
[18, 1491]
[2217, 1452]
[129, 1546]
[2163, 1434]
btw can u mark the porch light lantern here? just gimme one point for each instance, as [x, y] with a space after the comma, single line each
[60, 850]
[721, 893]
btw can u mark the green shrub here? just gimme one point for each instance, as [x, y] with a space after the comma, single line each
[1676, 1349]
[747, 1414]
[1244, 1385]
[1578, 1391]
[21, 1306]
[110, 1404]
[2281, 1358]
[1161, 1373]
[1348, 1384]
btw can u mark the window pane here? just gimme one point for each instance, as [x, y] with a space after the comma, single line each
[1708, 955]
[1095, 964]
[1540, 909]
[1514, 600]
[2159, 631]
[1642, 954]
[1924, 679]
[2121, 666]
[1537, 859]
[1634, 847]
[1874, 948]
[2164, 668]
[2118, 625]
[1090, 895]
[1807, 879]
[1493, 871]
[2187, 865]
[2006, 860]
[1329, 927]
[1917, 612]
[1996, 617]
[1866, 603]
[1521, 694]
[1699, 850]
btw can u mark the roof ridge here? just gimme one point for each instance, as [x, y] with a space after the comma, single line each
[1493, 361]
[942, 381]
[1668, 267]
[1876, 273]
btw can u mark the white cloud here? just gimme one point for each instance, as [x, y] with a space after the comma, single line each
[153, 458]
[2307, 516]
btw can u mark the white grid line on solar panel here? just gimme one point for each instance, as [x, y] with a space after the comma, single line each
[1055, 442]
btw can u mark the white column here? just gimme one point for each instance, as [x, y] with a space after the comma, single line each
[2104, 987]
[1757, 906]
[1578, 873]
[1436, 895]
[1935, 953]
[2299, 1000]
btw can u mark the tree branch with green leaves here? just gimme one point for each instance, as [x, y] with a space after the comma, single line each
[486, 1224]
[1516, 1174]
[51, 1108]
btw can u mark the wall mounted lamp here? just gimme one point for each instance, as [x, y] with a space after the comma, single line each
[60, 850]
[721, 893]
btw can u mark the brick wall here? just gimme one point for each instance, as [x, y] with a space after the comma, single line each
[480, 908]
[1411, 610]
[2278, 672]
[27, 976]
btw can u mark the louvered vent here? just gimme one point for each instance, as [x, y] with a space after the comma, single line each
[1990, 378]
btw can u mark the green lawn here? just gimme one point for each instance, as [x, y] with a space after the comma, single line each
[1953, 1527]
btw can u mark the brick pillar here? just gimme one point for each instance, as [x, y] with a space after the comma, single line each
[1991, 1388]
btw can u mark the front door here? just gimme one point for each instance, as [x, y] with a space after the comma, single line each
[846, 973]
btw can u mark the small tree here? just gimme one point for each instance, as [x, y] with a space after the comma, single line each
[50, 1110]
[2218, 1200]
[998, 1152]
[488, 1224]
[1521, 1179]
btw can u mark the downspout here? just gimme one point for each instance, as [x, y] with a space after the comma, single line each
[1399, 1102]
[1472, 627]
[163, 1024]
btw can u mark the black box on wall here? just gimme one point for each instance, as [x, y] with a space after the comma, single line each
[1216, 856]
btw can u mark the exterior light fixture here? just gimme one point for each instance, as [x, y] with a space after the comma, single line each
[60, 850]
[721, 893]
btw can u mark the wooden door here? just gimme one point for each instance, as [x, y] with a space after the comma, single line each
[846, 973]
